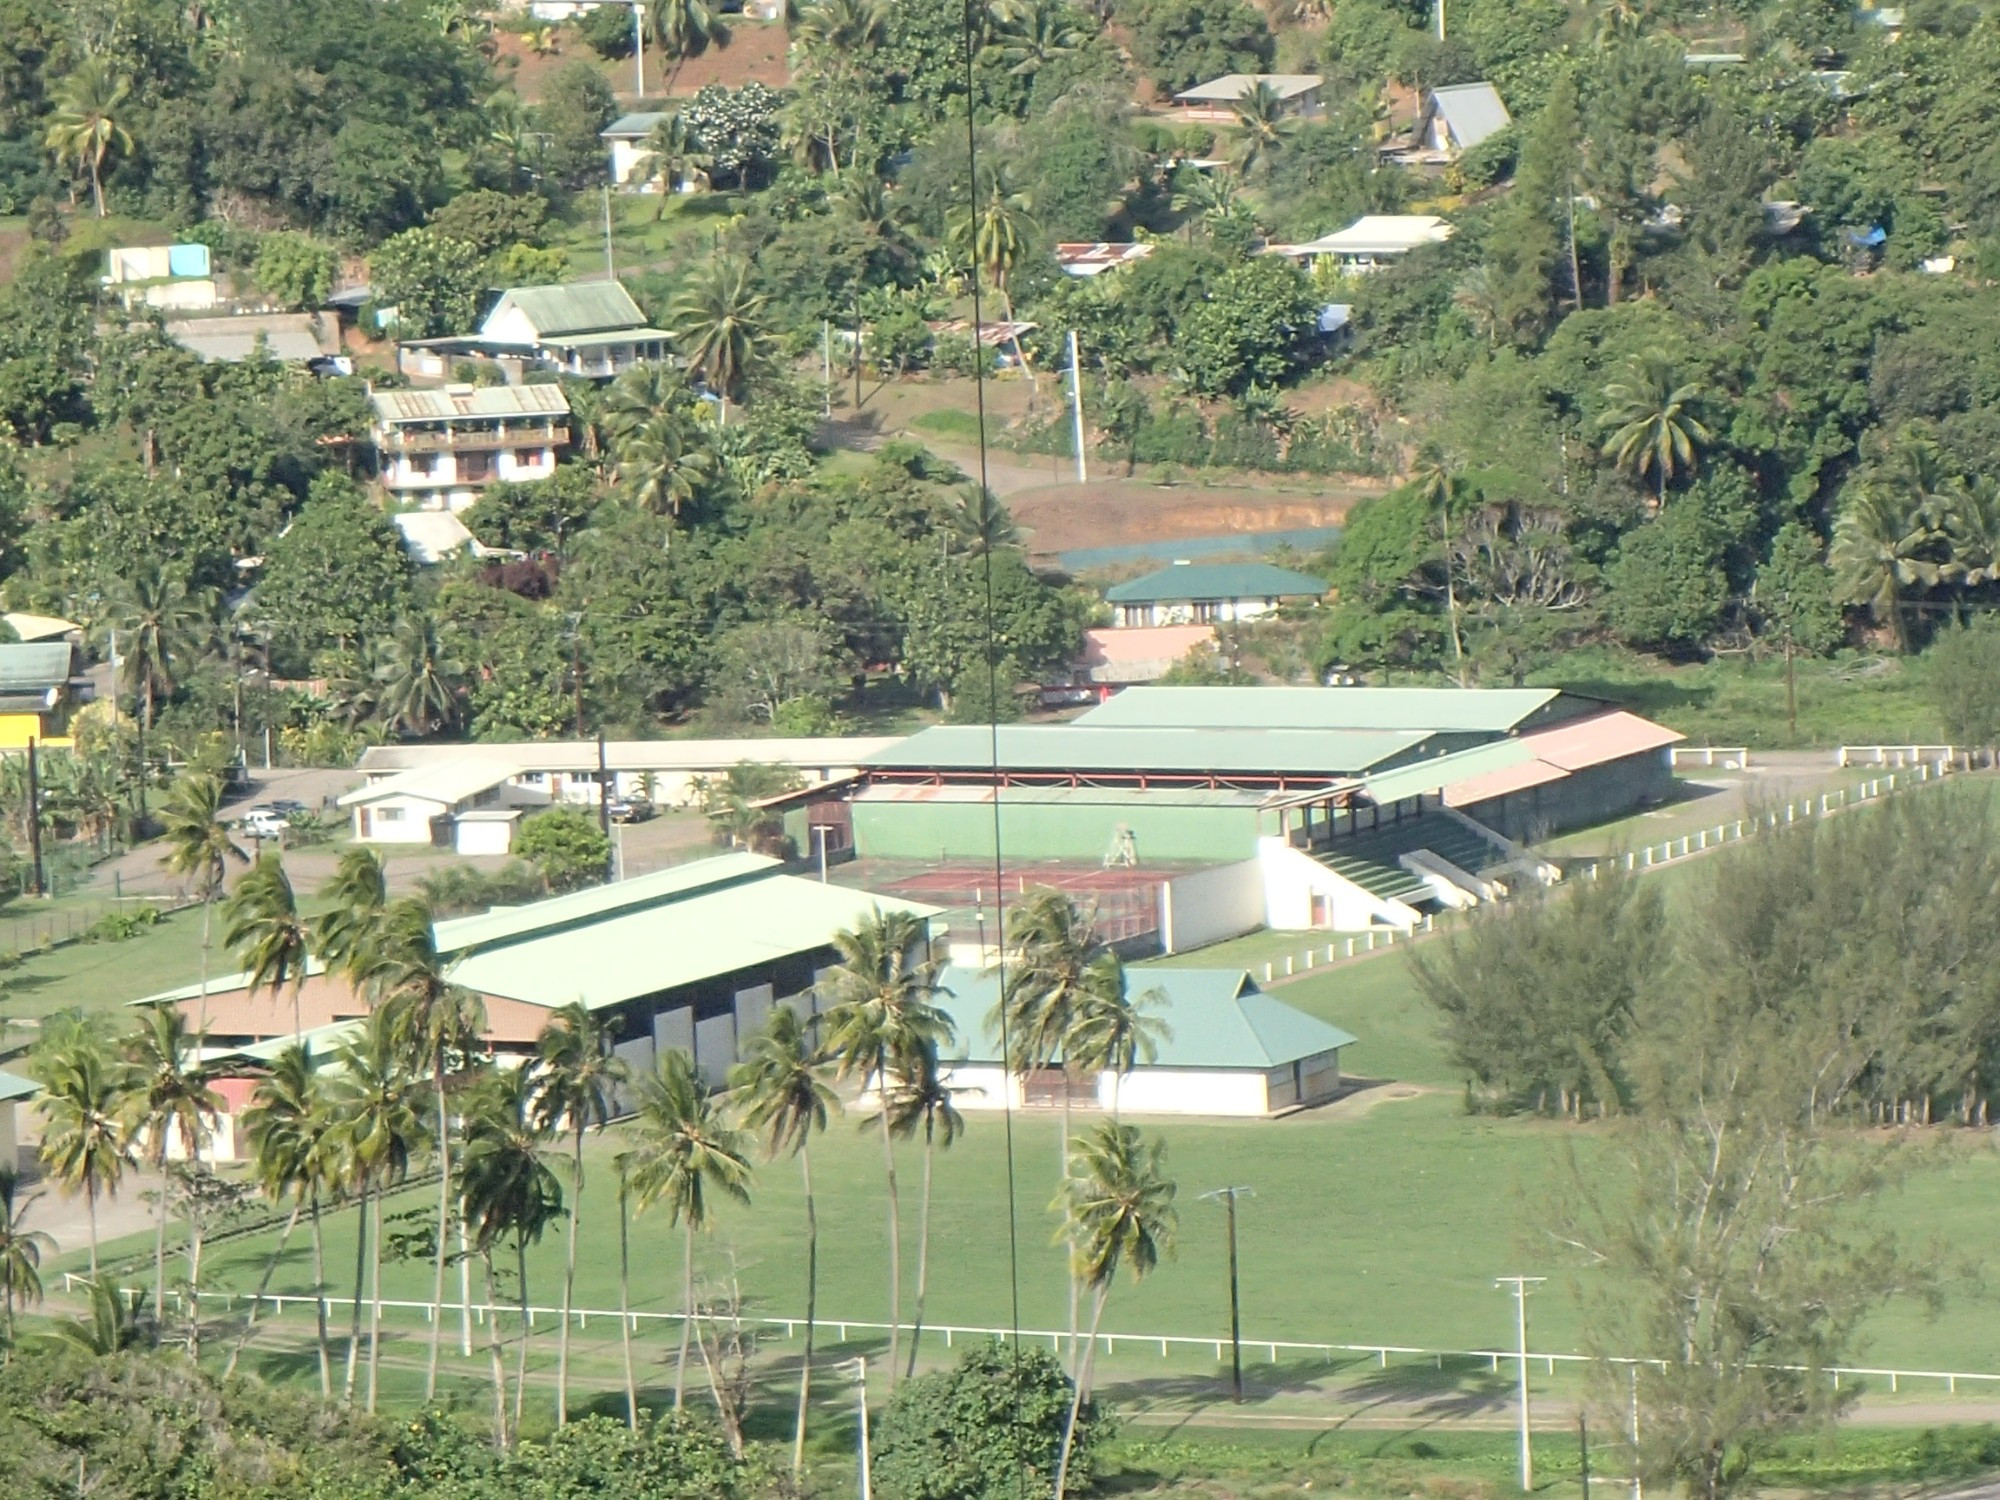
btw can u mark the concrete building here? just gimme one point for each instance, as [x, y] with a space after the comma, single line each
[1188, 593]
[439, 449]
[42, 683]
[1370, 242]
[1230, 1050]
[1300, 95]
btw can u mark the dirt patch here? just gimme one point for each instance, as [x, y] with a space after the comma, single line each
[1110, 513]
[757, 51]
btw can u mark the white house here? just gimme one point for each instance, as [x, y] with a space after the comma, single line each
[1371, 241]
[421, 806]
[631, 162]
[1298, 94]
[1459, 117]
[1227, 1049]
[439, 449]
[1188, 593]
[591, 329]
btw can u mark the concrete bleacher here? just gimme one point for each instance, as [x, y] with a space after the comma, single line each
[1372, 860]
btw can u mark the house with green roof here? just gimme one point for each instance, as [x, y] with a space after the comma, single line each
[41, 684]
[1225, 1048]
[1189, 593]
[588, 328]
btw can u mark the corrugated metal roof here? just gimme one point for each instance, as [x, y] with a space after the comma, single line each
[1066, 796]
[430, 536]
[637, 755]
[1116, 646]
[1375, 234]
[14, 1087]
[1234, 86]
[1445, 770]
[1519, 778]
[577, 307]
[508, 923]
[232, 339]
[34, 666]
[1602, 737]
[644, 950]
[1438, 710]
[448, 784]
[463, 401]
[1202, 751]
[636, 126]
[1219, 1019]
[1474, 111]
[27, 627]
[1192, 582]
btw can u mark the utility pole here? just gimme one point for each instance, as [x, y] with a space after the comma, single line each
[35, 820]
[1228, 1196]
[639, 52]
[1440, 20]
[114, 676]
[1520, 1284]
[861, 1397]
[1638, 1477]
[857, 351]
[1076, 407]
[826, 362]
[604, 806]
[610, 271]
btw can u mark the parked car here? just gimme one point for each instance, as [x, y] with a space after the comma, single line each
[629, 810]
[262, 822]
[284, 807]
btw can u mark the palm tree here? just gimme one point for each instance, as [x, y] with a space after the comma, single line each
[683, 28]
[372, 1101]
[113, 1323]
[1264, 126]
[654, 461]
[1437, 483]
[199, 849]
[161, 622]
[434, 1022]
[683, 1153]
[1110, 1030]
[981, 522]
[880, 1013]
[287, 1127]
[717, 318]
[417, 681]
[169, 1096]
[678, 157]
[510, 130]
[355, 897]
[85, 1145]
[920, 1101]
[87, 125]
[781, 1087]
[263, 927]
[1972, 531]
[1650, 422]
[842, 32]
[21, 1251]
[1119, 1208]
[993, 238]
[1028, 36]
[580, 1074]
[1885, 546]
[509, 1186]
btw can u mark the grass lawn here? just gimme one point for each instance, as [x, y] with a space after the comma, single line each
[638, 239]
[95, 976]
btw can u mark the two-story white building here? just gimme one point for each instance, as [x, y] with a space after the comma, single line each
[1189, 593]
[439, 449]
[592, 329]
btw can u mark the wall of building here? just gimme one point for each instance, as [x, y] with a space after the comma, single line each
[1150, 1091]
[1207, 906]
[17, 729]
[407, 820]
[1049, 830]
[1302, 893]
[1596, 794]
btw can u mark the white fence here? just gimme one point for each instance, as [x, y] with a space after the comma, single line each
[1165, 1343]
[1728, 757]
[1894, 755]
[1651, 857]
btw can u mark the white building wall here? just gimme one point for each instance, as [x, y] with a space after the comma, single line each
[408, 820]
[630, 161]
[482, 835]
[1293, 879]
[523, 465]
[1210, 905]
[1151, 1091]
[508, 325]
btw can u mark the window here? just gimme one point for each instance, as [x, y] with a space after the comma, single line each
[529, 458]
[475, 467]
[1207, 613]
[389, 814]
[424, 464]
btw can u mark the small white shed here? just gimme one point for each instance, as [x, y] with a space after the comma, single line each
[14, 1091]
[488, 830]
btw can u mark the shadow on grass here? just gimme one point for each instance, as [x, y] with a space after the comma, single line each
[1651, 696]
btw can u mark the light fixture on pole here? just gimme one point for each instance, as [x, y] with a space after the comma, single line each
[1520, 1284]
[1228, 1196]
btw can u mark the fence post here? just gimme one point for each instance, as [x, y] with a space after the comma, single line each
[1288, 966]
[1267, 973]
[1350, 947]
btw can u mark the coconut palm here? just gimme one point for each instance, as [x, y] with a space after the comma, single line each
[1027, 35]
[373, 1101]
[417, 681]
[1111, 1030]
[21, 1251]
[684, 28]
[657, 465]
[263, 928]
[880, 1012]
[580, 1075]
[355, 897]
[993, 238]
[1650, 423]
[1971, 526]
[1885, 547]
[508, 1184]
[1119, 1211]
[841, 32]
[981, 522]
[1263, 128]
[85, 1145]
[161, 625]
[677, 157]
[781, 1088]
[199, 850]
[169, 1099]
[88, 122]
[683, 1154]
[718, 320]
[113, 1323]
[287, 1126]
[920, 1103]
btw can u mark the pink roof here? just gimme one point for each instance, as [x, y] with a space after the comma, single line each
[1499, 783]
[1111, 646]
[1601, 738]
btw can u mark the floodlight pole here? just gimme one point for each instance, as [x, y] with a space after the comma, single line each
[1228, 1196]
[1520, 1284]
[639, 54]
[1076, 407]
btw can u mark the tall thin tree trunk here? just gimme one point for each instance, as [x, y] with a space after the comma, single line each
[895, 1226]
[625, 1306]
[360, 1283]
[687, 1308]
[444, 1227]
[319, 1303]
[923, 1249]
[194, 1252]
[263, 1286]
[569, 1285]
[375, 1303]
[812, 1309]
[493, 1351]
[201, 1005]
[1077, 1395]
[160, 1246]
[90, 1207]
[527, 1327]
[1069, 1233]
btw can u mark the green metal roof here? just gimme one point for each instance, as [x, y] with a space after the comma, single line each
[633, 126]
[1492, 710]
[34, 666]
[13, 1088]
[579, 307]
[1189, 582]
[218, 984]
[511, 923]
[643, 950]
[1073, 747]
[1219, 1019]
[608, 337]
[1443, 770]
[1071, 796]
[321, 1043]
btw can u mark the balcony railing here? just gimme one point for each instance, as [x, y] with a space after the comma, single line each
[455, 439]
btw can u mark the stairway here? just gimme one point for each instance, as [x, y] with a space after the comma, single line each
[1370, 859]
